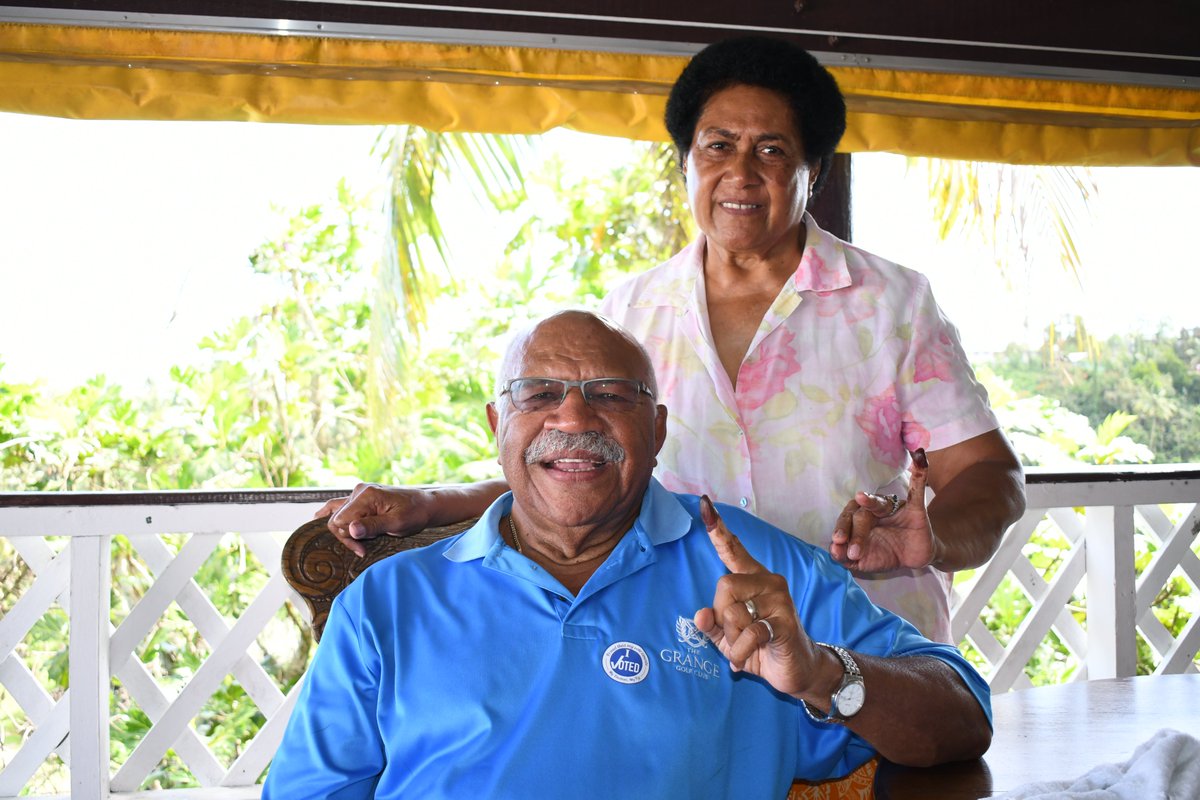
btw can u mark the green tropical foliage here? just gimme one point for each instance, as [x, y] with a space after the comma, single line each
[414, 267]
[1149, 385]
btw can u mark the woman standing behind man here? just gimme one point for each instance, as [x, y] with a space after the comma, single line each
[798, 370]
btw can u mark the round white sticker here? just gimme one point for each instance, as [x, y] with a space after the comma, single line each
[625, 662]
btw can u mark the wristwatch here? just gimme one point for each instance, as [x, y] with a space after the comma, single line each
[850, 695]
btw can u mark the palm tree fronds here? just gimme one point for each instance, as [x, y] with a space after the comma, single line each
[1024, 212]
[417, 255]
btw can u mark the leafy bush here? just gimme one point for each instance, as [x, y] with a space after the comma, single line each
[1153, 381]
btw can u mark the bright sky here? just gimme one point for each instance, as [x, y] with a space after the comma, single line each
[121, 246]
[1141, 269]
[123, 243]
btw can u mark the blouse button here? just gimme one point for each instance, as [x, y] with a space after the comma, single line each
[744, 502]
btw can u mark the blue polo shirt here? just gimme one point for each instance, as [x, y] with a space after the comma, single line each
[464, 670]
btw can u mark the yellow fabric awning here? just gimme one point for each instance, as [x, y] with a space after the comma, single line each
[118, 73]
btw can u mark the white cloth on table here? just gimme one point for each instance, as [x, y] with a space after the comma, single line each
[1164, 767]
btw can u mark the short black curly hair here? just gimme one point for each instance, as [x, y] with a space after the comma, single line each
[818, 109]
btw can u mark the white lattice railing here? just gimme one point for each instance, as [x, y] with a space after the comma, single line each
[1105, 520]
[75, 726]
[1098, 522]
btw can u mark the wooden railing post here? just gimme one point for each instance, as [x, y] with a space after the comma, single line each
[89, 670]
[1111, 593]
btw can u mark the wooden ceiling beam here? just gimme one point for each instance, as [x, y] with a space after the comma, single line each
[1153, 41]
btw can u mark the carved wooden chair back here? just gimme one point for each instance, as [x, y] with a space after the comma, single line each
[318, 566]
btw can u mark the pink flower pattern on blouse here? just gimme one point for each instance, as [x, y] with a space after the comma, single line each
[880, 420]
[765, 373]
[890, 431]
[853, 367]
[936, 363]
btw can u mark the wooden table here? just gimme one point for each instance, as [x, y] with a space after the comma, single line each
[1055, 733]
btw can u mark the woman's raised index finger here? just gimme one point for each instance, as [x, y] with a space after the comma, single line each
[729, 548]
[919, 470]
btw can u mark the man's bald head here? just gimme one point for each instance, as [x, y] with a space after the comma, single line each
[566, 330]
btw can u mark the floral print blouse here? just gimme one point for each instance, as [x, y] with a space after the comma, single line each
[853, 367]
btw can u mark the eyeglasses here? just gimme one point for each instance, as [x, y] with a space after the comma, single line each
[602, 394]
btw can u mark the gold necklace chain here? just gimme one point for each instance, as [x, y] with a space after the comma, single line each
[512, 526]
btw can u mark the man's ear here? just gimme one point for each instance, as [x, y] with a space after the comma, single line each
[493, 416]
[660, 428]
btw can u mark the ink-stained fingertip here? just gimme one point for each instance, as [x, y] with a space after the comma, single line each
[708, 513]
[920, 458]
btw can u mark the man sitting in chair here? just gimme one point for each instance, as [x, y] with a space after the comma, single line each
[595, 635]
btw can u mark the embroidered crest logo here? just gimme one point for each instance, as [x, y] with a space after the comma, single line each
[687, 633]
[691, 659]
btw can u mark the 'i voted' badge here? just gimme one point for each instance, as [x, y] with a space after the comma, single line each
[625, 662]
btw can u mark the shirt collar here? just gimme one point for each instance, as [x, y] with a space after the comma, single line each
[662, 519]
[484, 536]
[823, 264]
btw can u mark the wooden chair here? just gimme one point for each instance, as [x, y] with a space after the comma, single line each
[318, 566]
[858, 785]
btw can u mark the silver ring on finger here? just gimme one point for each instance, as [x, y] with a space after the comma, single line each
[895, 501]
[770, 630]
[751, 609]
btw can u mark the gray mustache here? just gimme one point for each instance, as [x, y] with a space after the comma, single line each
[597, 445]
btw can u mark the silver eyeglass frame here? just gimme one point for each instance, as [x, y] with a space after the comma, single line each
[507, 390]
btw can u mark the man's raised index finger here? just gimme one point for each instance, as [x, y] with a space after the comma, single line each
[729, 548]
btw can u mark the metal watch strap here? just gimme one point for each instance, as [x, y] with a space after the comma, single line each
[850, 673]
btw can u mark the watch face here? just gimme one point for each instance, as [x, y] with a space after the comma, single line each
[850, 699]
